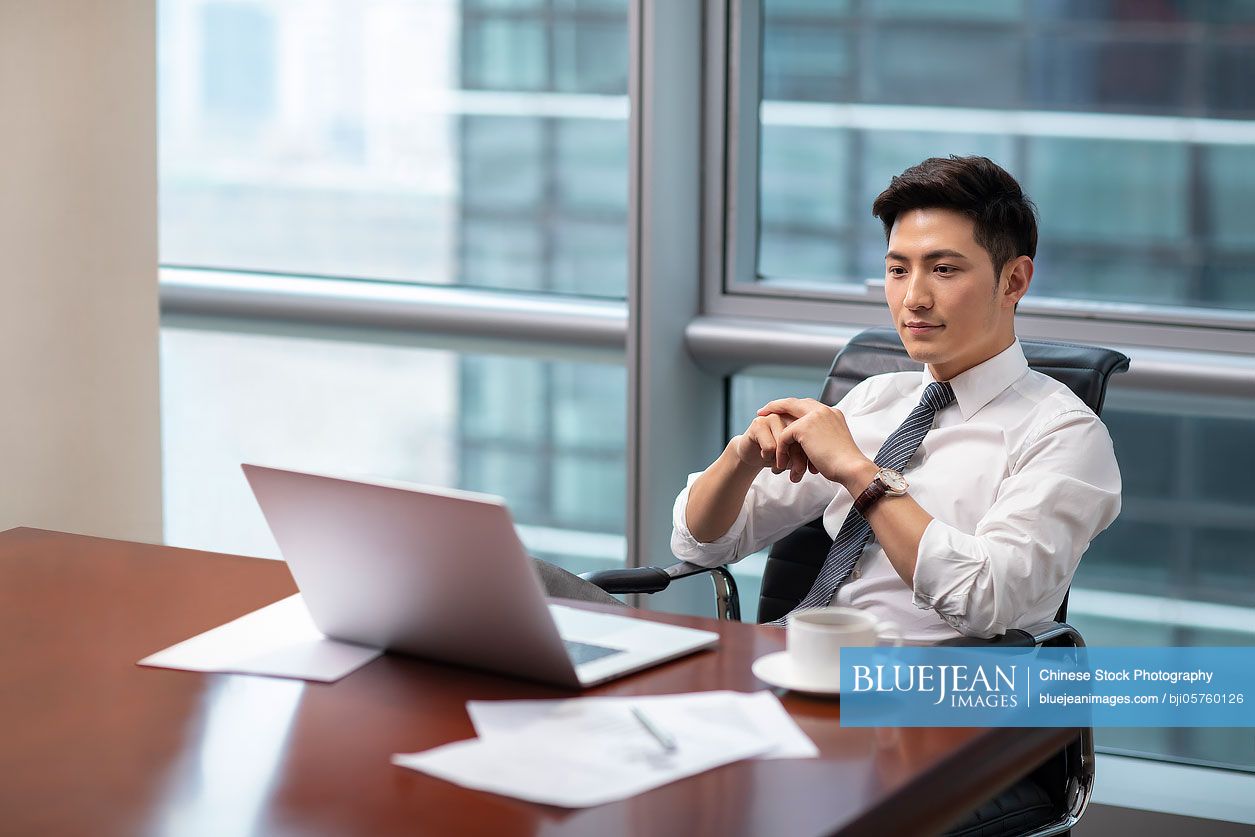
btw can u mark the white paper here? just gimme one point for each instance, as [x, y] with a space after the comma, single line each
[279, 640]
[760, 712]
[588, 751]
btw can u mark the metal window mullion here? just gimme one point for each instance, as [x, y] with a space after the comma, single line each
[717, 226]
[673, 405]
[391, 309]
[743, 160]
[727, 345]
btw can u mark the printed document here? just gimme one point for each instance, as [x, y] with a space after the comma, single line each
[582, 752]
[760, 712]
[279, 640]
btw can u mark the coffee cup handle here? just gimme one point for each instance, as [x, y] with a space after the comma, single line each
[890, 631]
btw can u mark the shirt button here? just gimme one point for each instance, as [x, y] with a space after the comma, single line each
[857, 572]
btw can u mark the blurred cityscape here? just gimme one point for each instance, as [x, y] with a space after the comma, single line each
[479, 144]
[1129, 124]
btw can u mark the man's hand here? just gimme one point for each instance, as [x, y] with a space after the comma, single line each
[824, 438]
[759, 446]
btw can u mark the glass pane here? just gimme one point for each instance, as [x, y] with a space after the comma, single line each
[807, 62]
[547, 435]
[1185, 530]
[1176, 568]
[907, 69]
[1131, 126]
[442, 142]
[972, 11]
[804, 206]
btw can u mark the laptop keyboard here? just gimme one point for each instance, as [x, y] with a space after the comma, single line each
[583, 652]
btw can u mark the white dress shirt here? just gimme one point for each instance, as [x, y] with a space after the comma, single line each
[1018, 474]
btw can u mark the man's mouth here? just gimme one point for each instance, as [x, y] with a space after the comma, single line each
[923, 328]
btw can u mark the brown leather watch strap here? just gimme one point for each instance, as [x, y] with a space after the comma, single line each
[870, 495]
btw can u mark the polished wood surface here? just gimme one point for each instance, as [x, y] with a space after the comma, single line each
[90, 743]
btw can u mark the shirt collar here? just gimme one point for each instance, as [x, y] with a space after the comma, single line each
[982, 383]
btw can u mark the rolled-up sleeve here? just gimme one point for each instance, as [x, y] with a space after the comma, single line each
[1014, 569]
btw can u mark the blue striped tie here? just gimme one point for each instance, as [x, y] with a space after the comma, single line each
[855, 531]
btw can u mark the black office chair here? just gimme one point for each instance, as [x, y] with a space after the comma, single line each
[1052, 798]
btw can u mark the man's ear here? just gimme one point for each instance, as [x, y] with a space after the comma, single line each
[1017, 275]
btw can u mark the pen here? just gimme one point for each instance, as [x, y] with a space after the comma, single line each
[665, 740]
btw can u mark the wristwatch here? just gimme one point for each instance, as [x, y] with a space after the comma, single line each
[887, 482]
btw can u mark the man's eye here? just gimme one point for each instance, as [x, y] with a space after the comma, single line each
[896, 270]
[945, 269]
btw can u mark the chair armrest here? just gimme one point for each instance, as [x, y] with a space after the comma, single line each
[630, 579]
[655, 579]
[1047, 633]
[1013, 638]
[1056, 634]
[642, 579]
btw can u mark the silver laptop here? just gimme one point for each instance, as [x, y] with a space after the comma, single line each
[441, 574]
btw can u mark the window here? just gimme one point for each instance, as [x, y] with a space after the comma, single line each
[547, 435]
[473, 143]
[1124, 123]
[468, 143]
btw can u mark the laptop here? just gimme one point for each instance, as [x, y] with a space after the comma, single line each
[441, 574]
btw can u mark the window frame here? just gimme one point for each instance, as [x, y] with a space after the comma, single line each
[730, 284]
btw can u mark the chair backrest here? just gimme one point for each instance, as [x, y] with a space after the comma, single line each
[1083, 369]
[794, 560]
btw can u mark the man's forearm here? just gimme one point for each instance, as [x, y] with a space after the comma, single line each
[716, 497]
[899, 522]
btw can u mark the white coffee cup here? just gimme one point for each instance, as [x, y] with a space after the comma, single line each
[816, 636]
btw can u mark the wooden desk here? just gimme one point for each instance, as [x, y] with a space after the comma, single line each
[90, 743]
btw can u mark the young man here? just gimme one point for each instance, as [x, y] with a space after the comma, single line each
[978, 482]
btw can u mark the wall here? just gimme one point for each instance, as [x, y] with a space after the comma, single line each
[79, 416]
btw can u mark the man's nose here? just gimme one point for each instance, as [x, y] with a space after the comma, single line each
[918, 291]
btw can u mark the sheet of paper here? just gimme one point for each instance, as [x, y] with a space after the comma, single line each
[279, 640]
[588, 752]
[760, 712]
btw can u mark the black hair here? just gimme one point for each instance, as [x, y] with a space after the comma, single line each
[1005, 220]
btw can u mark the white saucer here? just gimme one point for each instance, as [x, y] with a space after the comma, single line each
[778, 670]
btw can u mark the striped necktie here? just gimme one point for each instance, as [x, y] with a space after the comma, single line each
[855, 531]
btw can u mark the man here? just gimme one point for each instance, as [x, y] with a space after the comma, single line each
[992, 478]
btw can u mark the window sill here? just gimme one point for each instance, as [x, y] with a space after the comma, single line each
[1180, 789]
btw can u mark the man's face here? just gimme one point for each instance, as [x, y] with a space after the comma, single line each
[946, 301]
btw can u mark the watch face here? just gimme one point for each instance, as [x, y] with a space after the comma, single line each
[893, 480]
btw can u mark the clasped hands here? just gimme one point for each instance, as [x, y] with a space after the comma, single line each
[799, 435]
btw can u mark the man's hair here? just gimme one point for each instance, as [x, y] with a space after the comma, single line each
[1005, 219]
